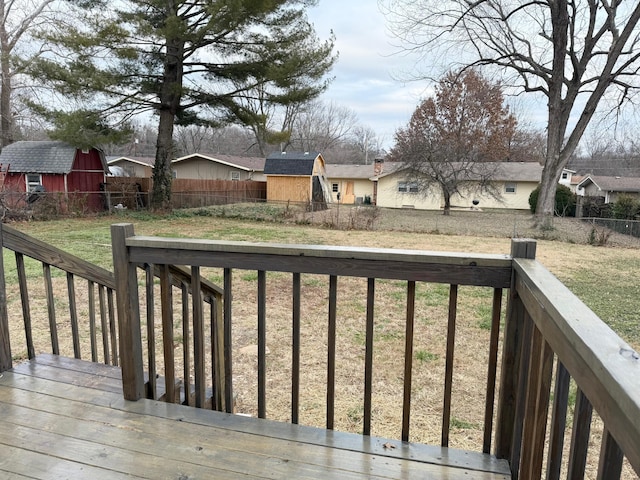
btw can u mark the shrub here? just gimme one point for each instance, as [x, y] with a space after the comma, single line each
[626, 207]
[565, 201]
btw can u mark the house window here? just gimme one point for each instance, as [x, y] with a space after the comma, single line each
[235, 175]
[34, 180]
[565, 175]
[407, 187]
[509, 188]
[174, 174]
[335, 187]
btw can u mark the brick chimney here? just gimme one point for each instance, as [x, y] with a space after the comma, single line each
[378, 166]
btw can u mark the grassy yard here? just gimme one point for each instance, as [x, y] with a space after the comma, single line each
[604, 277]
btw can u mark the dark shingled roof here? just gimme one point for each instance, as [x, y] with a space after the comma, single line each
[38, 157]
[290, 163]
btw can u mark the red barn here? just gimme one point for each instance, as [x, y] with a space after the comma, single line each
[56, 167]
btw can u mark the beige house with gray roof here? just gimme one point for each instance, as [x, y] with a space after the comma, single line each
[351, 183]
[514, 181]
[204, 166]
[610, 188]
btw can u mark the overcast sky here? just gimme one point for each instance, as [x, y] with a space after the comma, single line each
[364, 74]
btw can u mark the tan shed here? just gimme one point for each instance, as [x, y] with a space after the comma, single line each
[297, 177]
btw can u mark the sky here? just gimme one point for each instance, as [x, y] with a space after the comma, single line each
[366, 67]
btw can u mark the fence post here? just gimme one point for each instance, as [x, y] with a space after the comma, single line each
[5, 343]
[511, 354]
[125, 274]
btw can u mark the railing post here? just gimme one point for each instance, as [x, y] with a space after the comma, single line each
[511, 354]
[128, 313]
[5, 343]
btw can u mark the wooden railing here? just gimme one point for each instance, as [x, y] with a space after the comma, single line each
[548, 325]
[81, 323]
[90, 305]
[544, 323]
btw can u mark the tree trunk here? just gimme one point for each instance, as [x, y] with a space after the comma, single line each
[6, 119]
[447, 203]
[170, 95]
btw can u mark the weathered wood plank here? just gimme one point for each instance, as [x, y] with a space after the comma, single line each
[26, 307]
[305, 451]
[166, 309]
[580, 437]
[558, 422]
[198, 337]
[473, 273]
[227, 339]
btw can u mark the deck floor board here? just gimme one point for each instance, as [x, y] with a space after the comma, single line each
[59, 418]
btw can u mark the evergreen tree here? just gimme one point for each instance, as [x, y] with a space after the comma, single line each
[189, 62]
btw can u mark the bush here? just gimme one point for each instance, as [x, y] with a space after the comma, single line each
[565, 201]
[626, 207]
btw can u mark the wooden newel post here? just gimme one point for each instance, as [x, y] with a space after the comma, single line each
[511, 355]
[128, 313]
[5, 344]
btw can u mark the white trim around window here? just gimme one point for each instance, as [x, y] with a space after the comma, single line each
[510, 187]
[33, 180]
[407, 187]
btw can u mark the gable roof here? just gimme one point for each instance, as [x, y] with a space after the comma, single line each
[290, 163]
[349, 171]
[500, 171]
[144, 161]
[612, 184]
[249, 164]
[41, 157]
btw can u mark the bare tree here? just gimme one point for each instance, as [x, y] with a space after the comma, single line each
[17, 19]
[454, 139]
[320, 126]
[572, 52]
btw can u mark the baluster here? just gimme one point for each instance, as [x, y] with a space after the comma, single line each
[558, 421]
[92, 321]
[331, 351]
[73, 315]
[368, 356]
[228, 337]
[51, 308]
[198, 336]
[295, 351]
[492, 368]
[262, 344]
[408, 359]
[26, 309]
[152, 388]
[104, 326]
[448, 375]
[580, 437]
[166, 302]
[186, 344]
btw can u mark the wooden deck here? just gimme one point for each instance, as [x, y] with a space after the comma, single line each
[64, 418]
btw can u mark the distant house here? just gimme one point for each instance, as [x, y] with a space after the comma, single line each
[513, 181]
[140, 167]
[297, 177]
[350, 183]
[219, 167]
[53, 166]
[610, 188]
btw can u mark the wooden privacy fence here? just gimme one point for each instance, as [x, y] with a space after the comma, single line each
[544, 324]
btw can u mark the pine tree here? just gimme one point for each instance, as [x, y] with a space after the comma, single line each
[188, 62]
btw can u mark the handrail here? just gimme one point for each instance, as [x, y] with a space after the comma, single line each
[604, 366]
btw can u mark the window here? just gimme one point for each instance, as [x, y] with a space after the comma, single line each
[34, 180]
[509, 188]
[335, 187]
[174, 174]
[407, 187]
[565, 175]
[235, 175]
